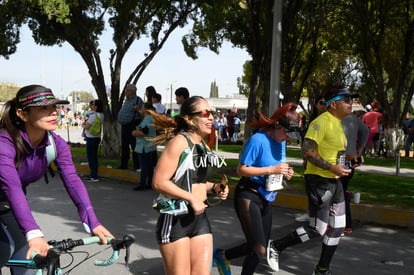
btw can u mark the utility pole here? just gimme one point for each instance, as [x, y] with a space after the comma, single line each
[276, 56]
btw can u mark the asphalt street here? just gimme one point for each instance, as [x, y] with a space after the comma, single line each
[125, 211]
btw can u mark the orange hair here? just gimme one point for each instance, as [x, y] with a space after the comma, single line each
[287, 112]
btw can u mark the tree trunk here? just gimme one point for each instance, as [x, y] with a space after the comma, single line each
[394, 138]
[111, 139]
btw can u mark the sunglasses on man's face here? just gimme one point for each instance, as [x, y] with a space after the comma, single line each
[322, 102]
[347, 99]
[205, 113]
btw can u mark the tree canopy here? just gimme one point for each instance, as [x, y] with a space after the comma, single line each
[366, 45]
[82, 23]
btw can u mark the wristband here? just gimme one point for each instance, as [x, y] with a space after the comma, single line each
[32, 234]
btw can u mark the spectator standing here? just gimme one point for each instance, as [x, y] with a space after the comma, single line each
[86, 115]
[156, 102]
[356, 133]
[150, 92]
[410, 137]
[263, 158]
[236, 133]
[93, 141]
[324, 150]
[181, 95]
[230, 123]
[145, 148]
[27, 124]
[372, 119]
[223, 128]
[69, 117]
[185, 241]
[129, 118]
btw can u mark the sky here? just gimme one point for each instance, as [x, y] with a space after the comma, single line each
[63, 70]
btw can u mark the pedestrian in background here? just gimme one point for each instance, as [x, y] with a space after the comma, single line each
[262, 160]
[145, 148]
[185, 240]
[230, 123]
[181, 95]
[129, 118]
[356, 133]
[156, 102]
[409, 133]
[372, 119]
[324, 151]
[150, 92]
[236, 133]
[93, 140]
[27, 124]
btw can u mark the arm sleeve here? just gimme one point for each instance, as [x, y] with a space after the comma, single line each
[12, 187]
[74, 185]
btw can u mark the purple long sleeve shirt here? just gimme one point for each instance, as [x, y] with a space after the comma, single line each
[33, 166]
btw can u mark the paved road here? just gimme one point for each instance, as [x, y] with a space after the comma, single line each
[124, 211]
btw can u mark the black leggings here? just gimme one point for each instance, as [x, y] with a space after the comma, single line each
[12, 241]
[255, 216]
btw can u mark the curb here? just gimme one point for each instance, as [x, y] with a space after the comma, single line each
[360, 212]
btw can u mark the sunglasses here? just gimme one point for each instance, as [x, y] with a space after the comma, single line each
[322, 102]
[205, 113]
[347, 99]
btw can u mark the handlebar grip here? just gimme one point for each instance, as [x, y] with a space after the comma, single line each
[94, 239]
[110, 261]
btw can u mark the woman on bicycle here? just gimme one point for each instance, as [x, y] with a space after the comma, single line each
[185, 240]
[26, 127]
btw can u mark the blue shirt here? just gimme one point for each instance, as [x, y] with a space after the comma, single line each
[263, 151]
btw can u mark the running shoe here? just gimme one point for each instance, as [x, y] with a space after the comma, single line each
[92, 180]
[222, 264]
[348, 230]
[303, 218]
[321, 271]
[272, 256]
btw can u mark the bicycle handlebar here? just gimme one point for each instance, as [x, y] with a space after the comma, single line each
[56, 247]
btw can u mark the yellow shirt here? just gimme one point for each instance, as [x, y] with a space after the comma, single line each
[326, 130]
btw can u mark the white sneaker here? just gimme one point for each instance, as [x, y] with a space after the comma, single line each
[92, 180]
[272, 256]
[303, 218]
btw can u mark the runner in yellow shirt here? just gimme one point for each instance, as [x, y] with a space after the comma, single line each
[324, 151]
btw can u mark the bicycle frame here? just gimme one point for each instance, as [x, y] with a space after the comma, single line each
[51, 262]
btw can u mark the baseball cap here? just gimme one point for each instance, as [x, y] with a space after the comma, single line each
[338, 93]
[39, 97]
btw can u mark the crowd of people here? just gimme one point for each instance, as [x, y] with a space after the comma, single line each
[334, 141]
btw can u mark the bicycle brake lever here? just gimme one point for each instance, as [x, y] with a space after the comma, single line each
[127, 258]
[129, 240]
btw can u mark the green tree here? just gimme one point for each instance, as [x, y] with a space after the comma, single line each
[247, 25]
[214, 92]
[82, 26]
[382, 35]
